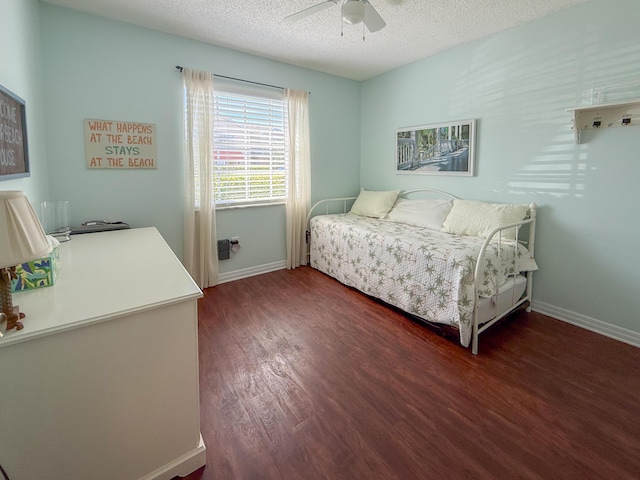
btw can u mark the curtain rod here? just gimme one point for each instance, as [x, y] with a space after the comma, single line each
[178, 67]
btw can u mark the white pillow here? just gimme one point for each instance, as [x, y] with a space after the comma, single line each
[478, 219]
[426, 213]
[374, 204]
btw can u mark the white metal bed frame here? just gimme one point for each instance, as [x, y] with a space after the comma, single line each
[530, 220]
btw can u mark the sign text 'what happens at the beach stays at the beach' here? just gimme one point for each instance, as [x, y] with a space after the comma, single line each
[116, 144]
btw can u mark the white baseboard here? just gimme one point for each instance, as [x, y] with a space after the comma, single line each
[612, 331]
[183, 466]
[250, 272]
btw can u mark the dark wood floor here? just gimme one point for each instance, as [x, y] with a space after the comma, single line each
[303, 378]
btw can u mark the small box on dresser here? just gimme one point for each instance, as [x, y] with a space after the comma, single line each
[42, 272]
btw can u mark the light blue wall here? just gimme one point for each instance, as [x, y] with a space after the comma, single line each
[21, 73]
[97, 68]
[518, 85]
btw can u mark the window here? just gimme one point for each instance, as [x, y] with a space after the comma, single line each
[249, 146]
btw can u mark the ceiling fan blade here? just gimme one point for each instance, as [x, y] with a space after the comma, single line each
[372, 18]
[310, 11]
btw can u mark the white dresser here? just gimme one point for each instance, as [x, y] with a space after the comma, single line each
[102, 382]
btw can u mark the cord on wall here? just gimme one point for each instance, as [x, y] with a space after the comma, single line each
[4, 474]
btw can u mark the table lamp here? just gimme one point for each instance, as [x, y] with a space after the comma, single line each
[22, 239]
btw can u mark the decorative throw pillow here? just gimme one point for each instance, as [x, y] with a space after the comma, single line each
[423, 212]
[478, 219]
[374, 204]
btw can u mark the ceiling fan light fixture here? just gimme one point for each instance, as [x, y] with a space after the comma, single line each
[353, 11]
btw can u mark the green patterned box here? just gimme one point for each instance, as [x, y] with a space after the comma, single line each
[37, 273]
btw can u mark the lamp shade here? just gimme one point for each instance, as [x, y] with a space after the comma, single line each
[353, 11]
[22, 237]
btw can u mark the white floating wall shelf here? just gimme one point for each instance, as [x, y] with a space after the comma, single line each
[604, 116]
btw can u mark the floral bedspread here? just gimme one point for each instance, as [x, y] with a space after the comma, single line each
[424, 272]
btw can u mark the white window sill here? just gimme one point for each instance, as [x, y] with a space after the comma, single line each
[247, 205]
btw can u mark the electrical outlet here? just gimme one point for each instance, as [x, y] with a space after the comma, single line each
[234, 240]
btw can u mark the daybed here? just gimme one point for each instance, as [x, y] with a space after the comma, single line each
[449, 261]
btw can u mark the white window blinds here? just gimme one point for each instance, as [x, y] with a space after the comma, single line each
[249, 147]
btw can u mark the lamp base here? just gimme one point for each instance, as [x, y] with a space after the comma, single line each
[13, 319]
[6, 304]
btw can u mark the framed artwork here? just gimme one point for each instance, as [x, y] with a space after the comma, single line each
[440, 149]
[14, 154]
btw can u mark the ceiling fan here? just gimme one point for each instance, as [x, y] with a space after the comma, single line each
[353, 12]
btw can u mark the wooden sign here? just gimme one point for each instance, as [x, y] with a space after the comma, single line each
[115, 144]
[14, 157]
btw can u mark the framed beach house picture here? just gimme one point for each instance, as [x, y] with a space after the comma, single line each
[439, 149]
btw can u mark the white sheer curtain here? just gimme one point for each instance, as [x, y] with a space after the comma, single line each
[299, 177]
[200, 248]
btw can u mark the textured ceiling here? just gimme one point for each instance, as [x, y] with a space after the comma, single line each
[415, 28]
